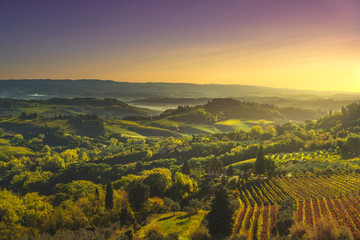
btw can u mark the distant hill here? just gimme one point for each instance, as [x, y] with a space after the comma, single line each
[43, 89]
[226, 108]
[95, 117]
[107, 108]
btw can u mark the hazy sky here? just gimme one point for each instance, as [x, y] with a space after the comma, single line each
[305, 44]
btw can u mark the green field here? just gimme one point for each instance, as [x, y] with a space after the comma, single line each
[112, 128]
[206, 129]
[166, 123]
[168, 223]
[238, 164]
[234, 124]
[259, 122]
[134, 129]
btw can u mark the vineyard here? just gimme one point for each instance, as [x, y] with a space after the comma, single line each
[317, 198]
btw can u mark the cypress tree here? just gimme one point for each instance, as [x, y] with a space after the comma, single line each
[260, 161]
[185, 168]
[220, 217]
[109, 201]
[97, 194]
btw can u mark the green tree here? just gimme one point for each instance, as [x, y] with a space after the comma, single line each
[17, 139]
[220, 218]
[285, 215]
[185, 168]
[230, 171]
[260, 161]
[138, 194]
[109, 197]
[174, 206]
[215, 166]
[328, 170]
[270, 167]
[97, 195]
[271, 130]
[255, 132]
[353, 143]
[193, 207]
[159, 180]
[183, 186]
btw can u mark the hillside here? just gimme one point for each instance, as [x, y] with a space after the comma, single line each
[224, 109]
[92, 117]
[58, 174]
[108, 108]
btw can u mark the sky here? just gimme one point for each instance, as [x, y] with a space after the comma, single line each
[302, 44]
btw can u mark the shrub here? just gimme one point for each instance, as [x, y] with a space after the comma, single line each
[201, 233]
[285, 216]
[326, 229]
[154, 234]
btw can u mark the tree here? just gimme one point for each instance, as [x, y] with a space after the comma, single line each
[193, 207]
[185, 168]
[271, 130]
[220, 218]
[285, 215]
[174, 207]
[109, 197]
[260, 161]
[353, 143]
[289, 127]
[215, 166]
[17, 139]
[138, 194]
[230, 171]
[158, 180]
[328, 170]
[255, 132]
[270, 167]
[97, 195]
[183, 186]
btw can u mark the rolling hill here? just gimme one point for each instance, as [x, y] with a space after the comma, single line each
[108, 108]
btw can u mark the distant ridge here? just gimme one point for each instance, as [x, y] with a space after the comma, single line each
[66, 88]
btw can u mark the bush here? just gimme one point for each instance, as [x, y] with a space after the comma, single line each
[154, 234]
[193, 207]
[298, 231]
[326, 229]
[331, 231]
[156, 205]
[201, 233]
[285, 216]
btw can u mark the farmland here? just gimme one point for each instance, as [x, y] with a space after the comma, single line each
[173, 177]
[317, 198]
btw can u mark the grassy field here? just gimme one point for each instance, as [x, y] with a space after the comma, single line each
[259, 122]
[240, 124]
[166, 123]
[168, 223]
[39, 108]
[117, 128]
[206, 129]
[238, 164]
[234, 124]
[135, 129]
